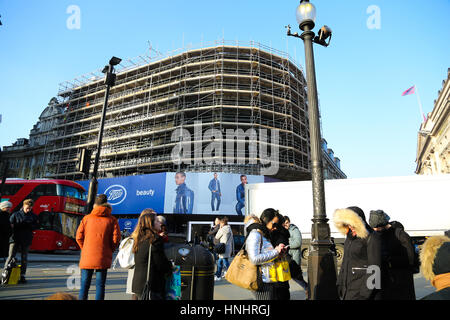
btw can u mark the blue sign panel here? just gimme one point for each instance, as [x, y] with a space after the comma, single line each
[128, 224]
[132, 194]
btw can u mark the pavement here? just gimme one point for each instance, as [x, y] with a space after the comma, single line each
[63, 256]
[51, 273]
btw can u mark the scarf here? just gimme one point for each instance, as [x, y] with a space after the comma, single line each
[265, 232]
[441, 281]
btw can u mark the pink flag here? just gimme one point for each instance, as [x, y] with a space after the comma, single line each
[409, 91]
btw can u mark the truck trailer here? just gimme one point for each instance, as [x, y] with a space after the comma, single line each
[420, 203]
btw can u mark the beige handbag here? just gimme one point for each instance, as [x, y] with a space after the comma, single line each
[242, 272]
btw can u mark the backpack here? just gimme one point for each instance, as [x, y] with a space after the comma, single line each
[125, 255]
[416, 262]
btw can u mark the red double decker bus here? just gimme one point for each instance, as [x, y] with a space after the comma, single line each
[59, 204]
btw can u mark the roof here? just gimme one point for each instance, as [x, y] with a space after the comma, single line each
[46, 181]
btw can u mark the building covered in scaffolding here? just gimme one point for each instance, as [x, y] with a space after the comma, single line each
[220, 88]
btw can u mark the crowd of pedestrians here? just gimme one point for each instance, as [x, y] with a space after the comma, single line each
[270, 238]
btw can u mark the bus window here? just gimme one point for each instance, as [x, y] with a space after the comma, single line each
[11, 189]
[43, 190]
[46, 220]
[49, 221]
[70, 192]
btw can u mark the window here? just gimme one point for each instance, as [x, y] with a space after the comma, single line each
[11, 189]
[49, 221]
[71, 192]
[43, 190]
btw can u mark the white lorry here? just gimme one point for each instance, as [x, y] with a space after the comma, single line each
[420, 203]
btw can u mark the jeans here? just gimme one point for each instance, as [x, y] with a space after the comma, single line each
[214, 196]
[239, 207]
[100, 281]
[220, 264]
[13, 248]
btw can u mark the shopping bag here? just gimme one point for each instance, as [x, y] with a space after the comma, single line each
[283, 271]
[173, 285]
[279, 271]
[15, 275]
[11, 273]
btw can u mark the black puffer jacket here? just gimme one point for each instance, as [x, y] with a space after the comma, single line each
[397, 264]
[360, 253]
[5, 233]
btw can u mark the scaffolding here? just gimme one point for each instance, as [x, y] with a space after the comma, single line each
[225, 86]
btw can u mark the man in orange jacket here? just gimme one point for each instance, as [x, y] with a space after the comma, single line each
[98, 237]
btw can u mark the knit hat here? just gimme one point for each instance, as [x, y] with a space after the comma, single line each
[5, 204]
[378, 218]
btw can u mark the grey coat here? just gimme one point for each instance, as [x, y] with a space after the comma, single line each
[295, 243]
[225, 235]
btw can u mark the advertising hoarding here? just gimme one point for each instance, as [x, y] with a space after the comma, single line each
[132, 194]
[177, 193]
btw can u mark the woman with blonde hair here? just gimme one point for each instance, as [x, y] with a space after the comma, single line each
[147, 240]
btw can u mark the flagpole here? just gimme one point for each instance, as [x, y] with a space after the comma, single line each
[420, 102]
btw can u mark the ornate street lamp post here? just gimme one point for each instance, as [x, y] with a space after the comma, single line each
[321, 267]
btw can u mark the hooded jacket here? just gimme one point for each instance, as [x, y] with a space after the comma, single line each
[98, 235]
[295, 243]
[435, 266]
[360, 253]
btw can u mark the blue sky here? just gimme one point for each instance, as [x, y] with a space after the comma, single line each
[360, 76]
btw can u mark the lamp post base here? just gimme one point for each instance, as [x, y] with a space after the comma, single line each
[322, 274]
[321, 264]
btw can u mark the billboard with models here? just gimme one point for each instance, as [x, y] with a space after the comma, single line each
[177, 193]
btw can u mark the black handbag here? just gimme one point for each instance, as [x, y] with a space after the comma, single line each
[220, 248]
[147, 293]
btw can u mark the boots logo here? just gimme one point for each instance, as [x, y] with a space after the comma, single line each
[128, 224]
[116, 194]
